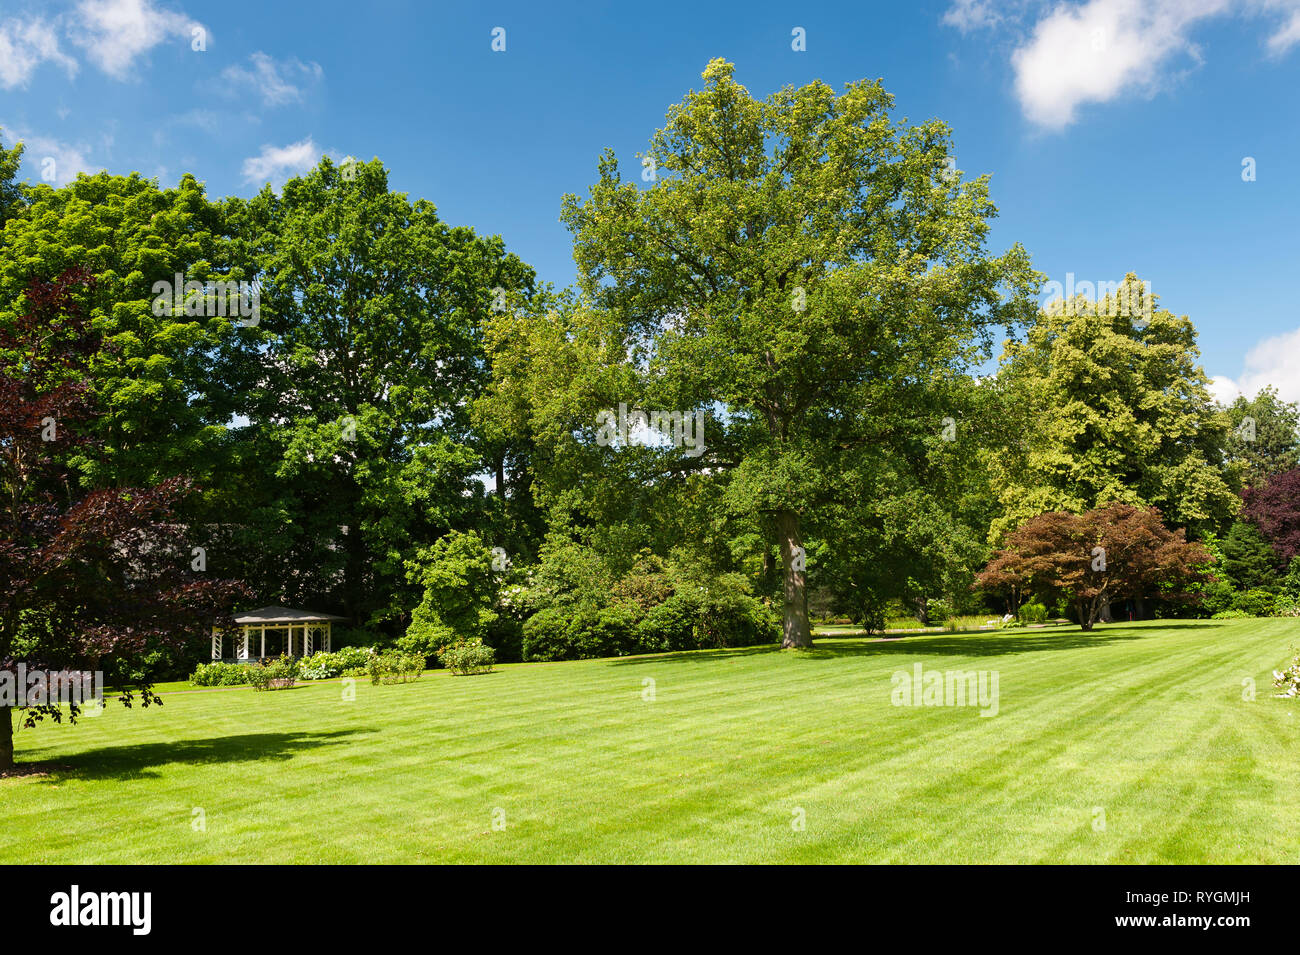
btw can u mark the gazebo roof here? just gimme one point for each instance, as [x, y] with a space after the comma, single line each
[274, 615]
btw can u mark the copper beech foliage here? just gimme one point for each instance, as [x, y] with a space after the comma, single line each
[87, 573]
[1112, 552]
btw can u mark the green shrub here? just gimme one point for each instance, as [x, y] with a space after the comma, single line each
[1033, 612]
[326, 666]
[578, 633]
[1286, 606]
[1230, 615]
[938, 611]
[280, 674]
[1255, 602]
[394, 666]
[467, 657]
[220, 674]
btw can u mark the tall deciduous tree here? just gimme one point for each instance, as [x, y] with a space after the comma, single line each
[801, 264]
[370, 358]
[1101, 555]
[1263, 440]
[1111, 406]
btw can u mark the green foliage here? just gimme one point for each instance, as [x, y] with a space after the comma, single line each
[160, 379]
[1262, 440]
[11, 190]
[582, 608]
[393, 666]
[460, 590]
[220, 674]
[279, 674]
[1108, 403]
[467, 657]
[1255, 602]
[326, 666]
[1032, 612]
[808, 263]
[1248, 559]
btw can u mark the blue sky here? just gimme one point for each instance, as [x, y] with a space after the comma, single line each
[1115, 130]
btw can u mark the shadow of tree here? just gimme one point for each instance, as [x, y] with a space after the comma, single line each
[973, 643]
[143, 759]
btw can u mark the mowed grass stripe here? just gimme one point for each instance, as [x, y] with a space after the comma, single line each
[1143, 720]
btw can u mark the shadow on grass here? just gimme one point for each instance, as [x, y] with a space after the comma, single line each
[143, 759]
[970, 643]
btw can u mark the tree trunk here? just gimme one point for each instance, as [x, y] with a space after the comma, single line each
[796, 630]
[1139, 608]
[1104, 613]
[1085, 614]
[6, 738]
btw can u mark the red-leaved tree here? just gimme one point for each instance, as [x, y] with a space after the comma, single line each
[93, 574]
[1275, 510]
[1105, 554]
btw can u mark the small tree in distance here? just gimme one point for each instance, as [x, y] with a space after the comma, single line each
[1109, 553]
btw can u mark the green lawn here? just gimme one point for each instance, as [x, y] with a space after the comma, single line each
[1145, 723]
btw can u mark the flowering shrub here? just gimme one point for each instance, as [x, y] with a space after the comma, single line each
[325, 666]
[467, 657]
[393, 666]
[279, 674]
[1288, 680]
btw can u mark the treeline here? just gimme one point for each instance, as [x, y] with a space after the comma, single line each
[759, 398]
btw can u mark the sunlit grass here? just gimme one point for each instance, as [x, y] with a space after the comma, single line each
[1130, 744]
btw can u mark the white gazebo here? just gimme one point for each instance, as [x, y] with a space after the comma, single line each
[283, 623]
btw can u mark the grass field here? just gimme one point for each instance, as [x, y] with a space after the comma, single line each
[1130, 744]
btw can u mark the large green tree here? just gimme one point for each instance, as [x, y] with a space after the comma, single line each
[163, 404]
[369, 360]
[802, 265]
[1110, 405]
[1263, 440]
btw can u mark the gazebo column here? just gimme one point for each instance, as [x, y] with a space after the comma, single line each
[328, 627]
[245, 638]
[216, 644]
[289, 649]
[262, 655]
[306, 639]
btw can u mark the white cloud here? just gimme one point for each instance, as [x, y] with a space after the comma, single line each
[967, 15]
[67, 159]
[275, 164]
[115, 32]
[276, 83]
[25, 45]
[1274, 361]
[1096, 51]
[1288, 34]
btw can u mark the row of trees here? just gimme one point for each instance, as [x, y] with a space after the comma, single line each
[761, 389]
